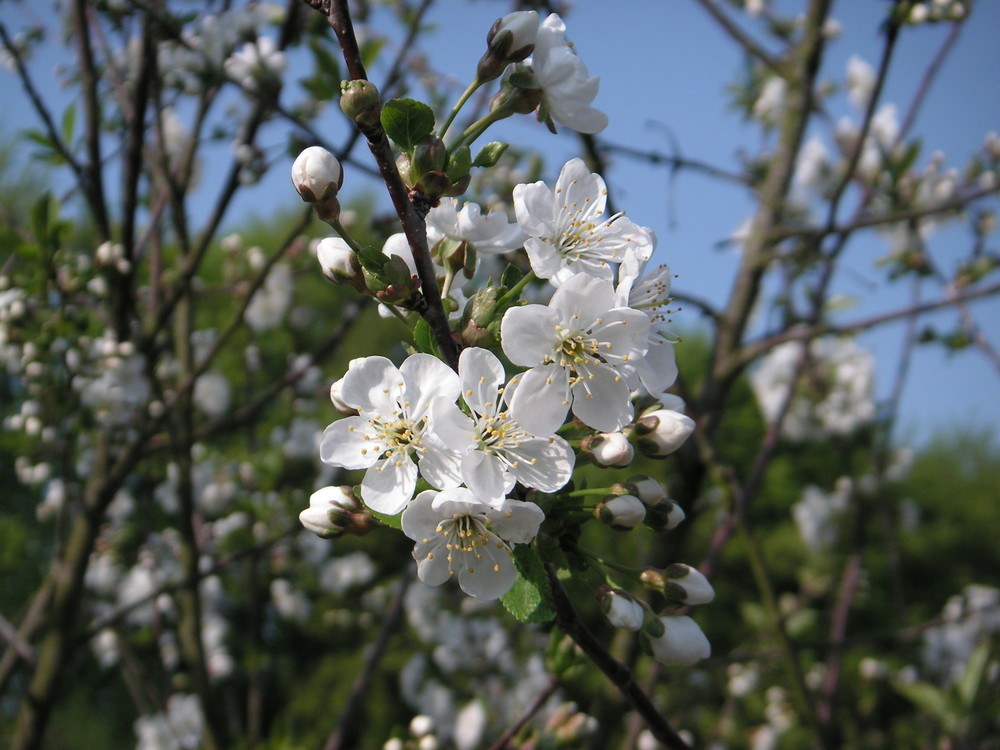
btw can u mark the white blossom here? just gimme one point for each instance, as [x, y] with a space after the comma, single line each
[496, 450]
[392, 431]
[567, 233]
[562, 75]
[456, 534]
[582, 351]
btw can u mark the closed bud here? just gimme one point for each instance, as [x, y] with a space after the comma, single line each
[653, 578]
[682, 643]
[695, 587]
[608, 449]
[362, 103]
[621, 512]
[664, 516]
[647, 489]
[622, 610]
[331, 512]
[511, 39]
[519, 92]
[317, 174]
[338, 261]
[392, 283]
[662, 431]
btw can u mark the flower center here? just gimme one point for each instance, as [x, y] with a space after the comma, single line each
[464, 535]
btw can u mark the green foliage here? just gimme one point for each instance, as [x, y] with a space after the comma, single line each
[530, 599]
[407, 122]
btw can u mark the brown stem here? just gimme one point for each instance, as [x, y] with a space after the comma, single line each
[536, 705]
[621, 677]
[351, 713]
[412, 222]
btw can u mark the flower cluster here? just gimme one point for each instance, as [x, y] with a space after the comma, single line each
[475, 455]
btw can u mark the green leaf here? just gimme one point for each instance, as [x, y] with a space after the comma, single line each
[326, 63]
[423, 338]
[972, 677]
[932, 700]
[490, 154]
[407, 122]
[459, 164]
[510, 276]
[68, 121]
[393, 522]
[530, 598]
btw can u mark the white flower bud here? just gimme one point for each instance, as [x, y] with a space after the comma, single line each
[647, 489]
[621, 512]
[337, 260]
[610, 449]
[329, 511]
[622, 610]
[681, 644]
[421, 725]
[663, 431]
[522, 26]
[316, 174]
[697, 589]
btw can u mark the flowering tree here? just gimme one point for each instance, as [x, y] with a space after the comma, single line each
[484, 395]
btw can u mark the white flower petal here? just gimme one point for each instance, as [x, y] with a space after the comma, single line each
[541, 400]
[388, 485]
[343, 444]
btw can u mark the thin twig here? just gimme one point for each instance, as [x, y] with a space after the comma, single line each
[621, 677]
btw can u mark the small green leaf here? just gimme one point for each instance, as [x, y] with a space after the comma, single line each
[407, 122]
[511, 275]
[972, 677]
[393, 522]
[490, 154]
[530, 598]
[68, 121]
[326, 63]
[423, 338]
[459, 164]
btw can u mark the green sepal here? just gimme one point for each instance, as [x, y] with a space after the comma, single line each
[530, 598]
[407, 122]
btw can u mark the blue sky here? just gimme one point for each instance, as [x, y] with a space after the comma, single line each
[664, 68]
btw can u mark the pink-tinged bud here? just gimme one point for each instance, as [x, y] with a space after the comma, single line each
[317, 175]
[608, 449]
[330, 512]
[621, 512]
[622, 610]
[663, 431]
[338, 260]
[647, 489]
[695, 587]
[682, 643]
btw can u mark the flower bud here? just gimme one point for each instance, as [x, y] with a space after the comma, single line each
[663, 431]
[339, 261]
[330, 512]
[361, 102]
[511, 39]
[664, 516]
[647, 489]
[622, 610]
[621, 512]
[694, 586]
[317, 175]
[430, 155]
[392, 283]
[478, 315]
[681, 644]
[608, 449]
[519, 92]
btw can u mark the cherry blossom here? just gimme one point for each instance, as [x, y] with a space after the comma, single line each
[562, 75]
[391, 433]
[582, 351]
[497, 450]
[457, 534]
[566, 234]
